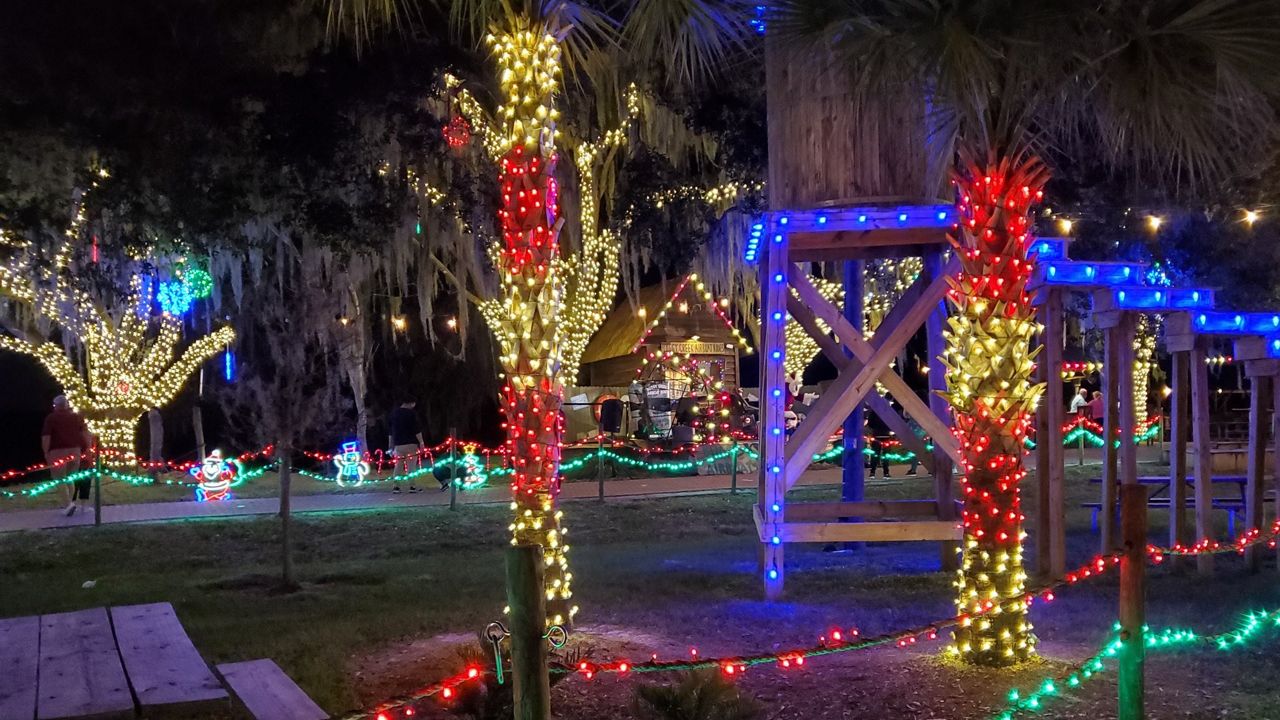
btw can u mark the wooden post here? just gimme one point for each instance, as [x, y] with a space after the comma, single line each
[1045, 436]
[1128, 405]
[453, 468]
[530, 677]
[1111, 369]
[1133, 522]
[853, 479]
[774, 290]
[943, 467]
[1275, 459]
[284, 457]
[1204, 459]
[600, 466]
[97, 487]
[1259, 396]
[733, 471]
[197, 426]
[1179, 403]
[1056, 498]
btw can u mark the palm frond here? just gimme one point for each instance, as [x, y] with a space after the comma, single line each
[689, 39]
[1186, 91]
[361, 20]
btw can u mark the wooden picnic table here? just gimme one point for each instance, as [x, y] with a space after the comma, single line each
[1159, 498]
[134, 659]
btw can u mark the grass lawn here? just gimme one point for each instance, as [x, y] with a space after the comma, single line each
[384, 593]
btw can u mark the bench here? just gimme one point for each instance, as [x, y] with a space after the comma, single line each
[19, 655]
[1232, 506]
[164, 668]
[102, 663]
[268, 693]
[80, 673]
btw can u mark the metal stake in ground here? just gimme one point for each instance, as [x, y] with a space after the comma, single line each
[530, 678]
[1133, 528]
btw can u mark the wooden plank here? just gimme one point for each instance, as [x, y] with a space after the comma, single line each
[1133, 598]
[268, 693]
[908, 531]
[1180, 403]
[874, 402]
[80, 670]
[866, 509]
[1275, 459]
[19, 655]
[1054, 334]
[944, 468]
[853, 341]
[164, 668]
[849, 388]
[1259, 396]
[1204, 459]
[1111, 426]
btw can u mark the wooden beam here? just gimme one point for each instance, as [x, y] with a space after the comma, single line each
[1275, 459]
[1111, 427]
[850, 388]
[866, 509]
[1259, 415]
[907, 531]
[944, 467]
[774, 291]
[877, 404]
[1046, 435]
[1204, 458]
[1128, 403]
[1180, 402]
[874, 252]
[1054, 338]
[937, 428]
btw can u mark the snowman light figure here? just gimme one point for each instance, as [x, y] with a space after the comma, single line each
[216, 476]
[351, 465]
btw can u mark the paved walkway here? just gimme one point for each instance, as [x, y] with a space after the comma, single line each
[346, 502]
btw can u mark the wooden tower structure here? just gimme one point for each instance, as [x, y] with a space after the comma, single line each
[849, 181]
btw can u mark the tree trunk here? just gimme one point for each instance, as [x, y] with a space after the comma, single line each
[533, 285]
[285, 460]
[989, 382]
[156, 431]
[116, 430]
[197, 426]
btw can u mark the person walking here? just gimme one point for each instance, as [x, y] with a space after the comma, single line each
[880, 435]
[405, 440]
[65, 438]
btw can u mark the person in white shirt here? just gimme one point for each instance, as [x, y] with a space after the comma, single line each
[1080, 402]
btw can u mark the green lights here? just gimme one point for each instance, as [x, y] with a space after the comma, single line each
[1167, 639]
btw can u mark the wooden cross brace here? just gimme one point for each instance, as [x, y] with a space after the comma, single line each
[870, 363]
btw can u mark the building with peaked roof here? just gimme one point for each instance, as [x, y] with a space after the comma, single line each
[689, 321]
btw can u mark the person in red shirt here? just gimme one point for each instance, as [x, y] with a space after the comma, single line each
[64, 439]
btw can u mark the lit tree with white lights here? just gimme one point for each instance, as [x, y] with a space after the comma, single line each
[114, 361]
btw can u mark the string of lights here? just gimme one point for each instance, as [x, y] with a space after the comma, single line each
[1056, 687]
[835, 641]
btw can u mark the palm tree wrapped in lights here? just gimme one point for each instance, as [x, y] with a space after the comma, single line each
[1145, 87]
[533, 41]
